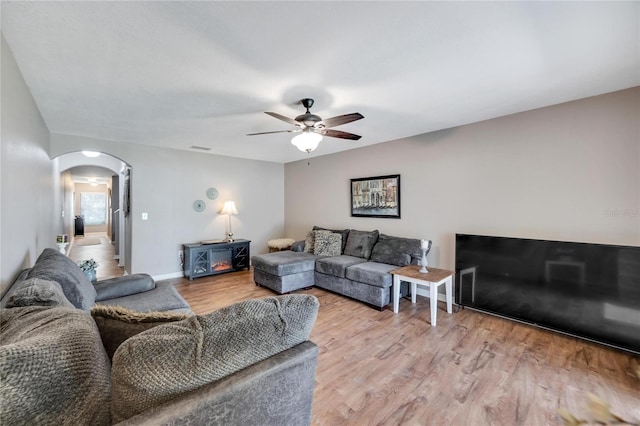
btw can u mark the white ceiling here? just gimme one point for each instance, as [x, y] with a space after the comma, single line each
[91, 174]
[178, 74]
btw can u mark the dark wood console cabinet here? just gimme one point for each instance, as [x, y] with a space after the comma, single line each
[201, 260]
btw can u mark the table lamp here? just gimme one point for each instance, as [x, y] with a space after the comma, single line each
[229, 209]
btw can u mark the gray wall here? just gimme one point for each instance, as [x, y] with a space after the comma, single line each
[165, 183]
[29, 180]
[567, 172]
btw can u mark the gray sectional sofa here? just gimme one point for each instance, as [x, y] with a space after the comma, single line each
[357, 267]
[56, 366]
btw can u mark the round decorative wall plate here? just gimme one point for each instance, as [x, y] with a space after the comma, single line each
[212, 193]
[199, 205]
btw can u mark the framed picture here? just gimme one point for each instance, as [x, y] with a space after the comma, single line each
[126, 196]
[376, 197]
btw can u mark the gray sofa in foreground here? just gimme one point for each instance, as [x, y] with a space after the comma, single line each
[354, 263]
[248, 363]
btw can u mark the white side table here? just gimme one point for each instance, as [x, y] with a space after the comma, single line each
[432, 279]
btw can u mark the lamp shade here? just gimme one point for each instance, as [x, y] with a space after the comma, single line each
[307, 141]
[229, 208]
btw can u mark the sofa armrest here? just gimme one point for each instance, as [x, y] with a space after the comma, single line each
[298, 246]
[276, 391]
[123, 286]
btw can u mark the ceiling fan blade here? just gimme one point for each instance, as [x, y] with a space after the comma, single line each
[339, 134]
[277, 131]
[341, 119]
[283, 118]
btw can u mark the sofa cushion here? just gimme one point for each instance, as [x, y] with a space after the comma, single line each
[327, 243]
[55, 266]
[164, 297]
[37, 292]
[123, 286]
[166, 361]
[282, 263]
[372, 273]
[53, 368]
[360, 243]
[116, 323]
[337, 265]
[392, 250]
[343, 232]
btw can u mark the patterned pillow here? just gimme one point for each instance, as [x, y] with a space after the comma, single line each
[327, 243]
[116, 323]
[343, 232]
[309, 242]
[159, 364]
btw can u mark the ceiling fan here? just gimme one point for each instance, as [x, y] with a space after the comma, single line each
[313, 127]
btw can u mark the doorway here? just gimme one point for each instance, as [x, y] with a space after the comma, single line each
[93, 211]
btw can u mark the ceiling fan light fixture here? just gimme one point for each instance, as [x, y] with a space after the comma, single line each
[91, 154]
[306, 141]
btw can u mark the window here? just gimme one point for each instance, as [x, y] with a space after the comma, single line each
[93, 206]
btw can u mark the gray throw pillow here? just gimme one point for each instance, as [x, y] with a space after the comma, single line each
[360, 243]
[55, 266]
[37, 292]
[53, 368]
[391, 250]
[159, 364]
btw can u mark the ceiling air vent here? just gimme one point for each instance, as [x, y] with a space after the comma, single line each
[201, 148]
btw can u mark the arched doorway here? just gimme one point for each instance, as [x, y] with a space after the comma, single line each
[87, 182]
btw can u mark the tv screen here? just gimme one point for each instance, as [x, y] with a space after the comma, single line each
[586, 290]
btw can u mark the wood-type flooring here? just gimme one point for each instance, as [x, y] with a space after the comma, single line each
[101, 253]
[381, 368]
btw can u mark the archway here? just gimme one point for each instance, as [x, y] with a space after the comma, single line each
[77, 171]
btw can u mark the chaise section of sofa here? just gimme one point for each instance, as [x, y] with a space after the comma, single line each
[284, 271]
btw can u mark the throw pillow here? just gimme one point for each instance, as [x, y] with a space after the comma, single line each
[37, 292]
[116, 323]
[53, 367]
[55, 266]
[327, 243]
[388, 250]
[360, 243]
[159, 364]
[343, 232]
[309, 242]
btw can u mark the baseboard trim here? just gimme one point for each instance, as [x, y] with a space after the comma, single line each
[425, 293]
[167, 276]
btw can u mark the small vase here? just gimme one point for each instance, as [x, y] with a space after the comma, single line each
[91, 275]
[424, 262]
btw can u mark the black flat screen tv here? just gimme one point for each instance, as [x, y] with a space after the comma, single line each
[586, 290]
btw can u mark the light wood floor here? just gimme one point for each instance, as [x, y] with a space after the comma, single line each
[472, 369]
[101, 253]
[381, 368]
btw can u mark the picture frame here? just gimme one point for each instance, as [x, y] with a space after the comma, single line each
[126, 196]
[377, 196]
